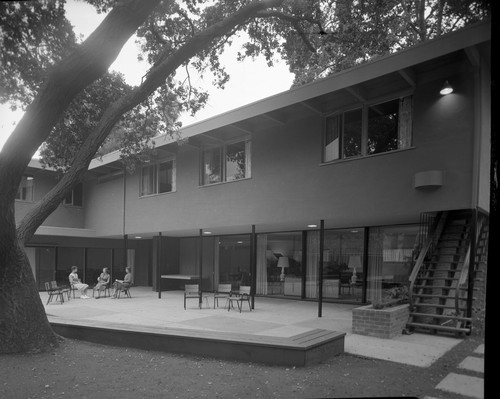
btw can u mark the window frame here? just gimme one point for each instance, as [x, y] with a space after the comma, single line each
[156, 177]
[72, 203]
[364, 127]
[223, 161]
[22, 185]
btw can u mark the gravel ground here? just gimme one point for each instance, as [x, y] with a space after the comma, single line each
[79, 369]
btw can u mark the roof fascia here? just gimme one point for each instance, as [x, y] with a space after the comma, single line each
[451, 42]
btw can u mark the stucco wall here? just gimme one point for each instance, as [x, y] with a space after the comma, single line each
[289, 182]
[63, 216]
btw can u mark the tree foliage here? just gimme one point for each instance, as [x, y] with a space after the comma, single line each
[33, 36]
[336, 35]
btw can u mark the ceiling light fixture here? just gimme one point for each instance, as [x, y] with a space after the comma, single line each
[446, 89]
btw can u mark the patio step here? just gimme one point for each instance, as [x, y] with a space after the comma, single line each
[299, 350]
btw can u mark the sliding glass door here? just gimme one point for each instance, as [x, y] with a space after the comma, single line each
[234, 261]
[342, 265]
[279, 264]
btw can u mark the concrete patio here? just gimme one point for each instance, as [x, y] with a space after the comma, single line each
[274, 320]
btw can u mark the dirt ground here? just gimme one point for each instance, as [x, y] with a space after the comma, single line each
[79, 369]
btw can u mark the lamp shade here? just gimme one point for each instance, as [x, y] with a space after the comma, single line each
[283, 262]
[354, 262]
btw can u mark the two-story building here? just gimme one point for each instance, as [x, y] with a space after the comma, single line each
[342, 172]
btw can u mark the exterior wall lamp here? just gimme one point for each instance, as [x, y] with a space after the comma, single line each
[446, 89]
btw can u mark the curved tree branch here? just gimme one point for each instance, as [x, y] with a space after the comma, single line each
[155, 78]
[294, 21]
[86, 64]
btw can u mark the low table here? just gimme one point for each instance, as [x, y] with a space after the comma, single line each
[187, 277]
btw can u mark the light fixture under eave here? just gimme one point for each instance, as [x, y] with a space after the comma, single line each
[312, 225]
[446, 89]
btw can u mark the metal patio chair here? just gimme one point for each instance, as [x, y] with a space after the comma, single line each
[244, 295]
[54, 292]
[223, 291]
[193, 291]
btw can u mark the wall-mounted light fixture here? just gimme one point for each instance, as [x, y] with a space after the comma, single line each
[446, 89]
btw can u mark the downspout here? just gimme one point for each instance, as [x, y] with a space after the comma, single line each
[320, 266]
[125, 237]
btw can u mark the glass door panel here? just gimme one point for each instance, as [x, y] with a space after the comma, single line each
[97, 259]
[342, 265]
[46, 265]
[234, 260]
[279, 264]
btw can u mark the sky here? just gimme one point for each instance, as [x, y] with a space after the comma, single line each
[251, 80]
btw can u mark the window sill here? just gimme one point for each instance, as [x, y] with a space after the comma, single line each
[156, 195]
[359, 157]
[223, 182]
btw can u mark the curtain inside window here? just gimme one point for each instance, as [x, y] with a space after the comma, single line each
[148, 180]
[261, 264]
[375, 265]
[131, 261]
[332, 138]
[312, 264]
[405, 117]
[165, 177]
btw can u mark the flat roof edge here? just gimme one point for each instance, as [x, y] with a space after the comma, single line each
[448, 43]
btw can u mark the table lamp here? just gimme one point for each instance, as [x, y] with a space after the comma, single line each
[283, 262]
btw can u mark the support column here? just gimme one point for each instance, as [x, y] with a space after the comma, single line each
[320, 271]
[200, 255]
[158, 266]
[253, 264]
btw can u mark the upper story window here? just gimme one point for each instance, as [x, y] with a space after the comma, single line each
[368, 130]
[224, 163]
[158, 178]
[343, 135]
[25, 190]
[75, 197]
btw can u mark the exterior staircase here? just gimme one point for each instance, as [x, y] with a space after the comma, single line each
[450, 270]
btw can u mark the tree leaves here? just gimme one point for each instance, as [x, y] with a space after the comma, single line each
[33, 36]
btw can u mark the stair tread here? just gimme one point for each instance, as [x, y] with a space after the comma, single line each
[441, 316]
[435, 305]
[438, 327]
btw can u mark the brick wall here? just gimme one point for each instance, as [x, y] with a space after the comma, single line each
[381, 323]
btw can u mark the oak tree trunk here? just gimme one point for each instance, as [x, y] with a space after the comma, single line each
[24, 325]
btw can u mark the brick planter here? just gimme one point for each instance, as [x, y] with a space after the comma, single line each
[381, 323]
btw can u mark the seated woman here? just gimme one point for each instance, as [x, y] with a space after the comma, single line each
[119, 285]
[102, 282]
[77, 283]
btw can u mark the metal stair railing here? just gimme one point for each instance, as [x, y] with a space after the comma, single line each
[431, 240]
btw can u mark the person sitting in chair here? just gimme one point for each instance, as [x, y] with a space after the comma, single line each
[102, 282]
[77, 283]
[119, 285]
